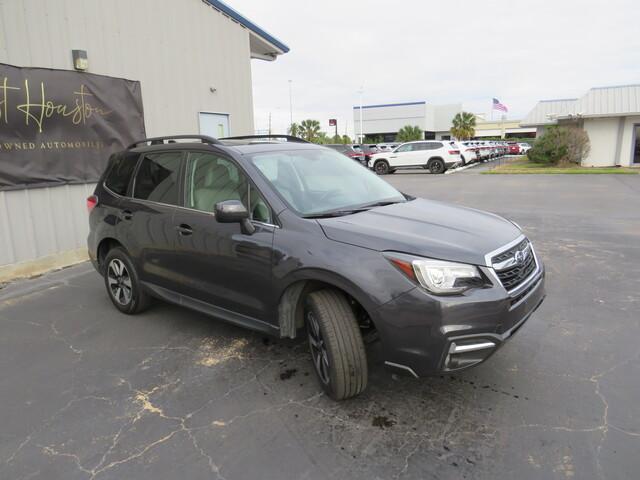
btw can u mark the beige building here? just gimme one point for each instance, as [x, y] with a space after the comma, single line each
[193, 61]
[502, 129]
[609, 115]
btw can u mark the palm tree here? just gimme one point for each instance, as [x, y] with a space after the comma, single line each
[409, 133]
[310, 129]
[322, 138]
[294, 129]
[463, 125]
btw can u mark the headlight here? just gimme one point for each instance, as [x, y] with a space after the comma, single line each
[438, 276]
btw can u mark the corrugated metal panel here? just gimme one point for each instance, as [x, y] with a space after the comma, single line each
[610, 101]
[42, 221]
[545, 112]
[178, 50]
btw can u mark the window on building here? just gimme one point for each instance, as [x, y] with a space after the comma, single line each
[157, 178]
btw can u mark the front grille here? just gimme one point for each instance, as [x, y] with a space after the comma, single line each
[511, 277]
[507, 254]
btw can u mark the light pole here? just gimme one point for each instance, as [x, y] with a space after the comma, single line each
[290, 107]
[360, 91]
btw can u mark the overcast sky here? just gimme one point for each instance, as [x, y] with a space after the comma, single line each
[441, 52]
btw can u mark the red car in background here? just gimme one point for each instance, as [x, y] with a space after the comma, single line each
[514, 148]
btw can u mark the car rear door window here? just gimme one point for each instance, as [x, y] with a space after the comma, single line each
[157, 179]
[120, 173]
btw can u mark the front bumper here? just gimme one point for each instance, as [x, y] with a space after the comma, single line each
[425, 334]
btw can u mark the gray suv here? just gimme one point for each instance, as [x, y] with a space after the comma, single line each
[290, 238]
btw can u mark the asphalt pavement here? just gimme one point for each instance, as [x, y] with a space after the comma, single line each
[89, 393]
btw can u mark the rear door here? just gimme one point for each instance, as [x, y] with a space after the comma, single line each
[147, 228]
[218, 263]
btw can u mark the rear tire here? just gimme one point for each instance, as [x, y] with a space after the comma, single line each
[336, 345]
[436, 166]
[122, 283]
[381, 167]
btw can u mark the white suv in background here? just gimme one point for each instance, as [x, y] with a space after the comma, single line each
[468, 152]
[436, 156]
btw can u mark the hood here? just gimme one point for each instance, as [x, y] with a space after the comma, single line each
[425, 228]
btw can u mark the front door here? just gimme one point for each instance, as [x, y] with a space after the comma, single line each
[215, 125]
[219, 264]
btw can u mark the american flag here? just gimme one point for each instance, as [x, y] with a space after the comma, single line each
[499, 106]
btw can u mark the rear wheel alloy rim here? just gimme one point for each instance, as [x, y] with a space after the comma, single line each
[436, 167]
[381, 168]
[318, 348]
[119, 281]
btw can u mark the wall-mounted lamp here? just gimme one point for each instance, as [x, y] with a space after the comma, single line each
[80, 60]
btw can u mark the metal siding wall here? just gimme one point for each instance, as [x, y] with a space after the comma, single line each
[177, 49]
[40, 222]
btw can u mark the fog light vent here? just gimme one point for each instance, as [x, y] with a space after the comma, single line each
[465, 353]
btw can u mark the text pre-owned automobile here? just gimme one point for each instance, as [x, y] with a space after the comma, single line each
[290, 238]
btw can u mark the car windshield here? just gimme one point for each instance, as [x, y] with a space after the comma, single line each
[320, 182]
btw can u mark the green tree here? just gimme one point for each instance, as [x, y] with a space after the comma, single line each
[373, 139]
[322, 138]
[346, 139]
[409, 134]
[310, 129]
[464, 124]
[294, 129]
[336, 139]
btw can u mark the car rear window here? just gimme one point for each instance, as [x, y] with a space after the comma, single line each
[122, 167]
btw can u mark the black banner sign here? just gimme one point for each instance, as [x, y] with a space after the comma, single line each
[61, 126]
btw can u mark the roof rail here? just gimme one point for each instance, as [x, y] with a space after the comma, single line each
[289, 138]
[161, 140]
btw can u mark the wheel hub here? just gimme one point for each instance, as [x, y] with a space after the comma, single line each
[318, 348]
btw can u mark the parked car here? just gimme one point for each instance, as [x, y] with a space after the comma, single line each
[386, 147]
[368, 151]
[468, 152]
[435, 156]
[524, 148]
[290, 238]
[349, 151]
[514, 148]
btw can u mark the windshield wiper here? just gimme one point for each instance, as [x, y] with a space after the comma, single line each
[350, 211]
[379, 204]
[335, 213]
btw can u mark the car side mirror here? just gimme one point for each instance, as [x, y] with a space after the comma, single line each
[233, 211]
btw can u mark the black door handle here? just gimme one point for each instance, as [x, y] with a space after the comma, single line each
[184, 229]
[127, 214]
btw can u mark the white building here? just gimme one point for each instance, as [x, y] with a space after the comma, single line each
[609, 115]
[385, 120]
[192, 59]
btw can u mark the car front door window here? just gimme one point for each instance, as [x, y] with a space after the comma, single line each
[211, 179]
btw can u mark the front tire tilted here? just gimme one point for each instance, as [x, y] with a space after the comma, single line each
[336, 344]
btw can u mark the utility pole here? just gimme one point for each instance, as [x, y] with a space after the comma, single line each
[290, 106]
[361, 91]
[269, 123]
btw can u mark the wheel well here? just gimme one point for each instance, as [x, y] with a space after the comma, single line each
[435, 158]
[291, 307]
[104, 247]
[380, 160]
